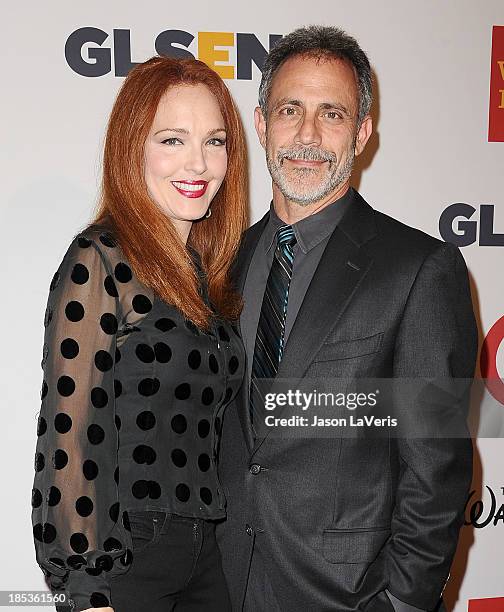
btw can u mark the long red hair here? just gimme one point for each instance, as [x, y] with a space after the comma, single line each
[146, 235]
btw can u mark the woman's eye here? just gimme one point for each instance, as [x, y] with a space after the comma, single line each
[218, 142]
[171, 141]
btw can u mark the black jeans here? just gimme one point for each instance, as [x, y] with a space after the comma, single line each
[176, 566]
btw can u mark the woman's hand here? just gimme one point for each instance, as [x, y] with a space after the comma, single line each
[98, 610]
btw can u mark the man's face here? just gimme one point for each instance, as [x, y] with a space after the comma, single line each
[310, 133]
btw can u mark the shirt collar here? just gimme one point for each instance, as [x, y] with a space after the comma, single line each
[311, 230]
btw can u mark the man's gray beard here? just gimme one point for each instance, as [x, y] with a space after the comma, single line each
[299, 192]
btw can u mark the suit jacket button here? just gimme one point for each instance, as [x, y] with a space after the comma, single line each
[255, 468]
[249, 530]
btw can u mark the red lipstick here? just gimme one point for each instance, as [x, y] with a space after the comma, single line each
[191, 189]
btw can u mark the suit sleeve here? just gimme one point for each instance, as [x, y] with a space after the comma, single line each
[80, 541]
[437, 338]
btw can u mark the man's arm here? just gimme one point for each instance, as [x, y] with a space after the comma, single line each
[437, 338]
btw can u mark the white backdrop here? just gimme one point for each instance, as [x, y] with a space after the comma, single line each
[429, 151]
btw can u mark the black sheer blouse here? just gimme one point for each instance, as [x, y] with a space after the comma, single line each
[132, 400]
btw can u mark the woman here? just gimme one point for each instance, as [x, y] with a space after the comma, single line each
[140, 359]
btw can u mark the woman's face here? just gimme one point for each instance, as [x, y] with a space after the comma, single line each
[185, 154]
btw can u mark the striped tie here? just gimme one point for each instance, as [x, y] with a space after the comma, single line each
[269, 343]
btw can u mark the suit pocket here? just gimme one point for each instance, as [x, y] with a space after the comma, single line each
[353, 546]
[346, 349]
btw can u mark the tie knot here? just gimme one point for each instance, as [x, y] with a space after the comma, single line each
[286, 236]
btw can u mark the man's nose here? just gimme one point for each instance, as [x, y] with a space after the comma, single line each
[308, 132]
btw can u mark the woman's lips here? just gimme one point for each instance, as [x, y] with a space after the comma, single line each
[191, 189]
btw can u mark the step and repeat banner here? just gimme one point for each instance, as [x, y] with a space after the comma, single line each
[435, 161]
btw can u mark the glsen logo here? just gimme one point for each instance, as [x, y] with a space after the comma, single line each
[480, 515]
[87, 54]
[488, 360]
[496, 111]
[490, 604]
[457, 226]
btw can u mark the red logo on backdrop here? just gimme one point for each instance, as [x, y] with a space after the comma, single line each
[488, 360]
[496, 113]
[493, 604]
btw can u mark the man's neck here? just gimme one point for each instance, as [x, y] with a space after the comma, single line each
[290, 212]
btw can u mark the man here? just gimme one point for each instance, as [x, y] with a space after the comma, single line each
[335, 289]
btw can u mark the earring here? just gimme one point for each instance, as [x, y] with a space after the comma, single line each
[208, 213]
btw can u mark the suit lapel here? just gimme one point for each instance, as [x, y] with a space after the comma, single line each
[341, 269]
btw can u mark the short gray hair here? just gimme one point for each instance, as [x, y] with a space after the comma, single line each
[319, 41]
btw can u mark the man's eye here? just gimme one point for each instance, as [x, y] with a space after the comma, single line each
[333, 115]
[171, 141]
[288, 111]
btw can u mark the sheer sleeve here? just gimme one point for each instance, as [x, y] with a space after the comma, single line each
[80, 540]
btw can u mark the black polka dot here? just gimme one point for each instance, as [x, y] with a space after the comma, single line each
[233, 364]
[49, 533]
[108, 323]
[182, 492]
[95, 434]
[163, 352]
[206, 495]
[54, 496]
[48, 316]
[44, 390]
[146, 420]
[99, 600]
[84, 243]
[60, 459]
[145, 353]
[116, 475]
[114, 516]
[39, 462]
[107, 240]
[127, 558]
[117, 422]
[99, 397]
[84, 506]
[179, 423]
[36, 499]
[223, 335]
[74, 311]
[55, 281]
[165, 324]
[117, 388]
[217, 425]
[122, 272]
[110, 286]
[80, 274]
[140, 489]
[204, 462]
[79, 542]
[192, 328]
[154, 489]
[69, 348]
[194, 359]
[76, 561]
[57, 562]
[141, 304]
[90, 469]
[111, 544]
[104, 563]
[144, 454]
[148, 386]
[203, 428]
[65, 386]
[37, 531]
[207, 396]
[117, 355]
[183, 391]
[62, 423]
[228, 395]
[103, 361]
[213, 364]
[179, 458]
[41, 426]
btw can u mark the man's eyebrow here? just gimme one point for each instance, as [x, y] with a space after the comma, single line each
[287, 101]
[335, 106]
[183, 131]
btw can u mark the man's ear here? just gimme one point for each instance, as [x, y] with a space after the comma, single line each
[260, 126]
[364, 132]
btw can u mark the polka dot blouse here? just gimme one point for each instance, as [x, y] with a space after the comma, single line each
[132, 400]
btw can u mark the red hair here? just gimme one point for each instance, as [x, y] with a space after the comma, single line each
[146, 235]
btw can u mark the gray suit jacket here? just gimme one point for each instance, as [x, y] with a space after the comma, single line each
[342, 521]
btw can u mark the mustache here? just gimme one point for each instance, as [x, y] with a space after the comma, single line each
[306, 154]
